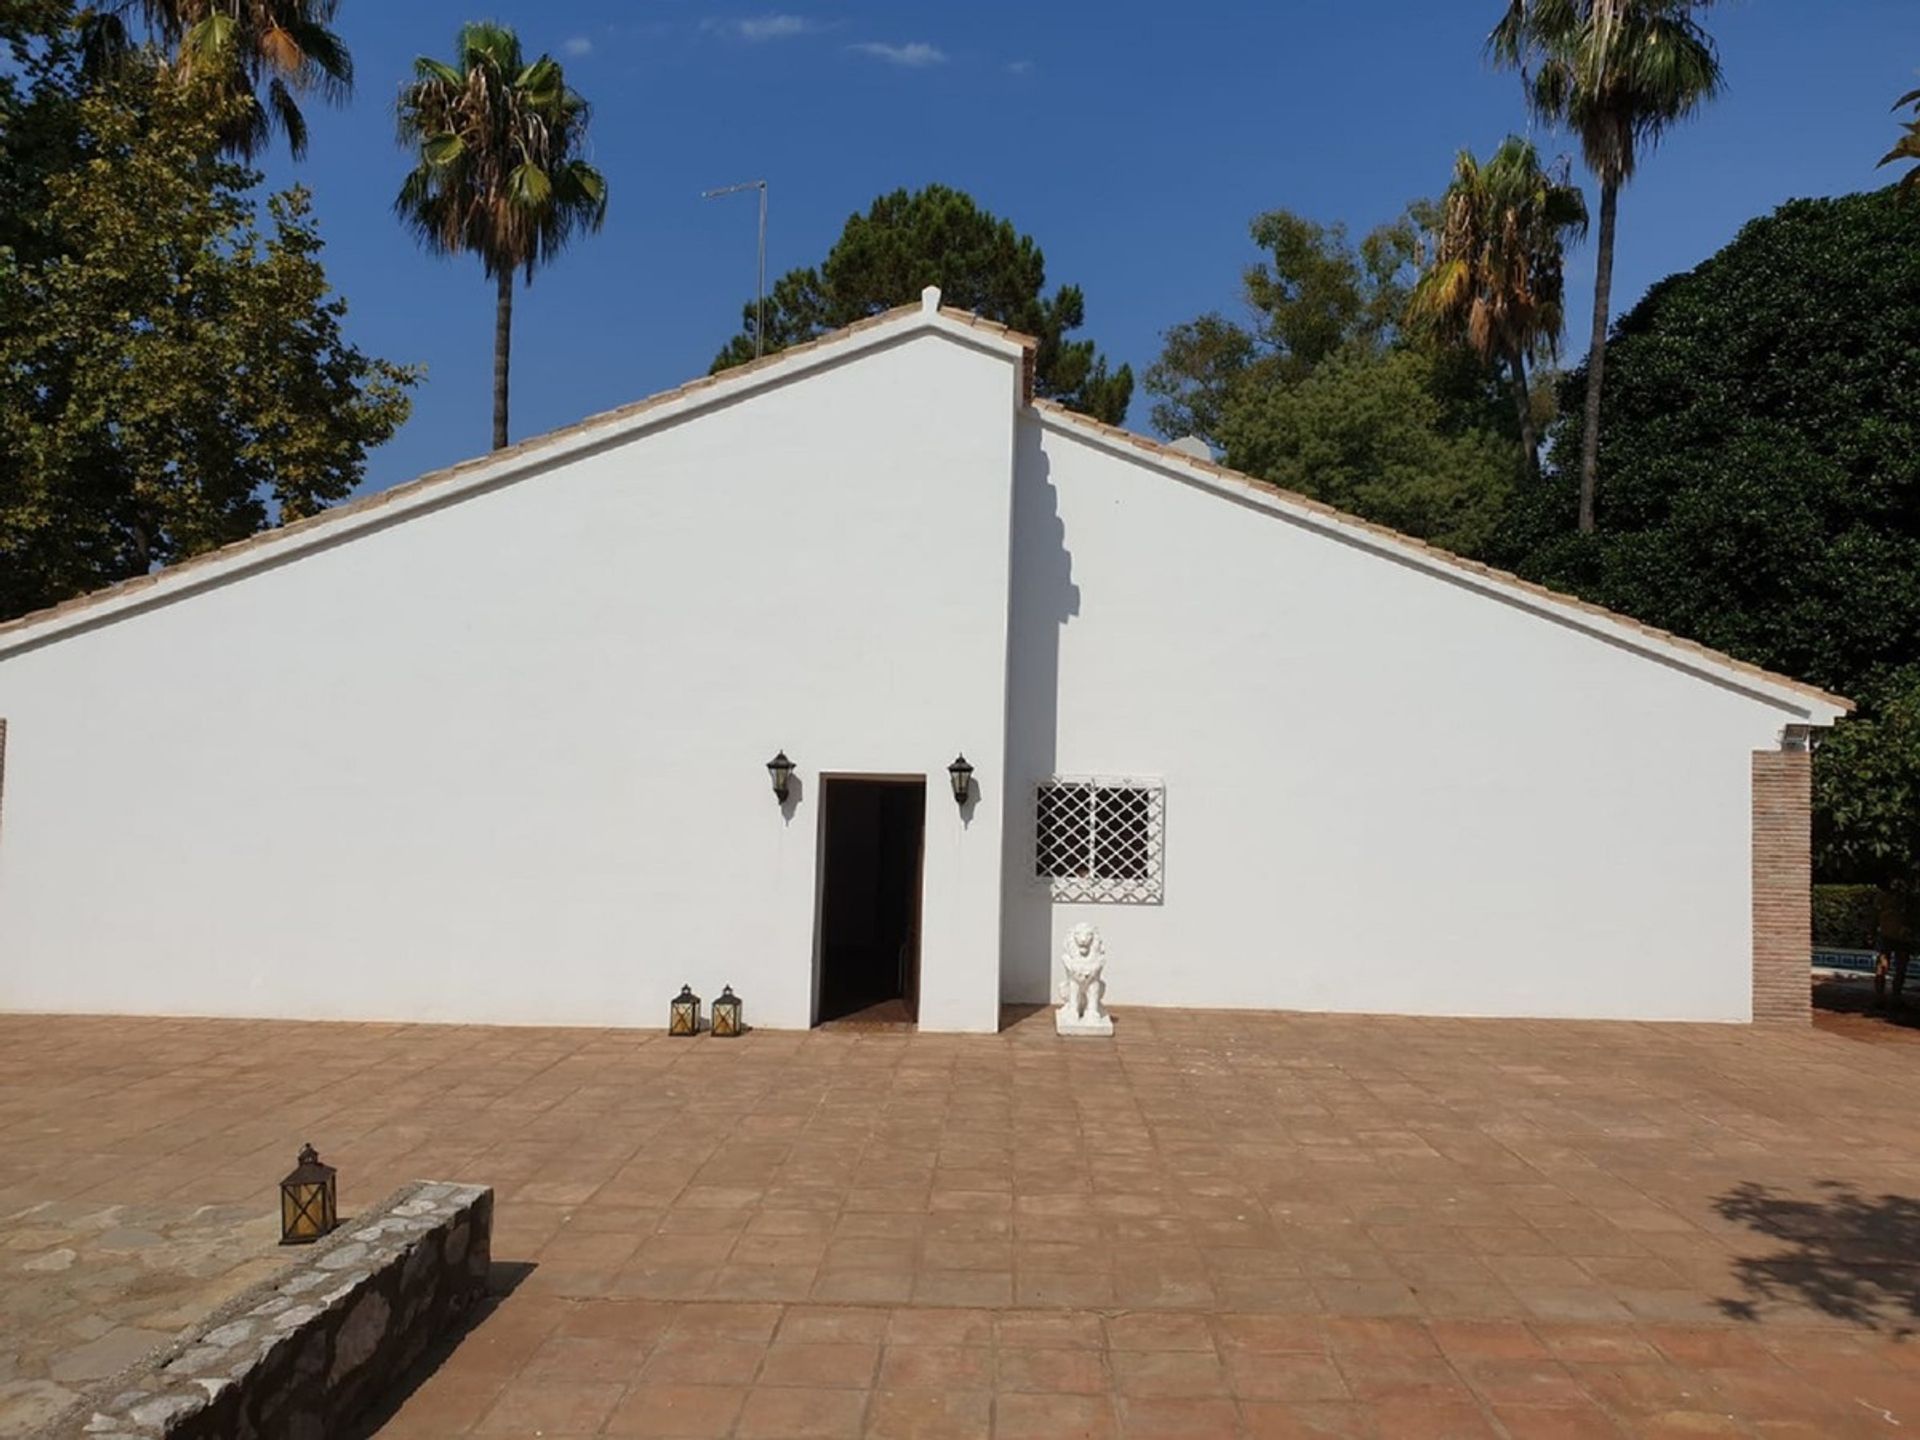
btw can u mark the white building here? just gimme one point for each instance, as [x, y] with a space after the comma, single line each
[492, 746]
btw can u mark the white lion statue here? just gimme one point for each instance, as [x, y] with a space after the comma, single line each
[1083, 993]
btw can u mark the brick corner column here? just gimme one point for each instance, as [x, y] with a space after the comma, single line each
[1782, 886]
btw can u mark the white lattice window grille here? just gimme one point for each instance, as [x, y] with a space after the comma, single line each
[1099, 839]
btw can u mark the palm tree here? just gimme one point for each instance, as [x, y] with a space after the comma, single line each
[1909, 146]
[1618, 74]
[287, 46]
[1497, 278]
[499, 173]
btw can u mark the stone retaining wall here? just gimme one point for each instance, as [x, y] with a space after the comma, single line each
[301, 1355]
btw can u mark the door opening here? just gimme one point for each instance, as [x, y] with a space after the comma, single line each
[870, 852]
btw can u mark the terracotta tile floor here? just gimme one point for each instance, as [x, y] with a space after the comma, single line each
[1216, 1224]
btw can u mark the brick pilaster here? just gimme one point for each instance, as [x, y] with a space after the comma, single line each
[1782, 885]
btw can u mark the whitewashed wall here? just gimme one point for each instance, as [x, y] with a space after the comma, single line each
[1385, 791]
[505, 762]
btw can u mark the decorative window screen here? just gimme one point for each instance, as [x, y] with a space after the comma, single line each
[1100, 839]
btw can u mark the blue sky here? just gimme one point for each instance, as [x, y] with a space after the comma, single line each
[1133, 140]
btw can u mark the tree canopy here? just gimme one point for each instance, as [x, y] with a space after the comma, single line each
[1868, 780]
[1321, 389]
[1763, 443]
[1370, 433]
[907, 241]
[1315, 293]
[173, 374]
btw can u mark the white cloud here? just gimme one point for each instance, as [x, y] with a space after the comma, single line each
[576, 47]
[914, 54]
[771, 27]
[1020, 67]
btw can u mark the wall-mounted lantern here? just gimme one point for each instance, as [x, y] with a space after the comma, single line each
[726, 1016]
[683, 1015]
[961, 773]
[781, 769]
[308, 1208]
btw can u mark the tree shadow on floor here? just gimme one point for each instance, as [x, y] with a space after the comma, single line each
[1850, 1256]
[503, 1278]
[1848, 1005]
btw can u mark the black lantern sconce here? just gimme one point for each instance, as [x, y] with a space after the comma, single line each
[683, 1015]
[961, 774]
[781, 769]
[726, 1016]
[308, 1207]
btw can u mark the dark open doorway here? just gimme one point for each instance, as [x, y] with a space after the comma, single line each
[870, 898]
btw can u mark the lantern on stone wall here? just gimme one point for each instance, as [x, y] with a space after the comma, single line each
[308, 1208]
[683, 1016]
[726, 1015]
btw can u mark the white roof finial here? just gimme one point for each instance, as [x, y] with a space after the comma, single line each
[930, 299]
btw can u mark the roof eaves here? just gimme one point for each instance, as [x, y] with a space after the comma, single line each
[1433, 555]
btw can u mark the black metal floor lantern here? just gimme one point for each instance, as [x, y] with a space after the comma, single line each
[683, 1015]
[961, 774]
[308, 1204]
[726, 1016]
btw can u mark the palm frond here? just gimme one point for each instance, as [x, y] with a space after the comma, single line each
[1616, 73]
[286, 114]
[1496, 281]
[497, 144]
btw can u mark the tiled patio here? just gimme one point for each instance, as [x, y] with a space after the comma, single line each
[1216, 1224]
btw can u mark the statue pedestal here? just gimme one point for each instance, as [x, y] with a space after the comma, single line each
[1067, 1023]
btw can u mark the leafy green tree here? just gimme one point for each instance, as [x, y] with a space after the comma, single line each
[259, 54]
[40, 90]
[1321, 391]
[1618, 74]
[1909, 146]
[171, 377]
[1867, 779]
[1371, 433]
[940, 236]
[1314, 295]
[499, 173]
[1496, 282]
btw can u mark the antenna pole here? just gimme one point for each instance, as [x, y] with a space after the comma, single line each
[760, 291]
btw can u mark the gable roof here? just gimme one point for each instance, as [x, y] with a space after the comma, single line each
[1821, 706]
[437, 488]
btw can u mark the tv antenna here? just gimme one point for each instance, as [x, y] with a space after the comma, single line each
[760, 293]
